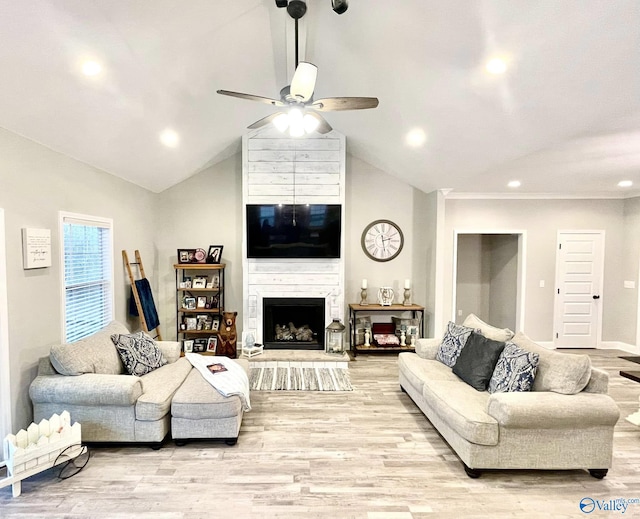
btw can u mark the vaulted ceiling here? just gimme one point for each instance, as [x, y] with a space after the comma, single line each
[563, 119]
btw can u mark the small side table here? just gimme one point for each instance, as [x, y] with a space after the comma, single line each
[252, 352]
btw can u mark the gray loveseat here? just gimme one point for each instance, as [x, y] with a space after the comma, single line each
[87, 378]
[565, 422]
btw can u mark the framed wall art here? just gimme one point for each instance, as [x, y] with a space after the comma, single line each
[215, 253]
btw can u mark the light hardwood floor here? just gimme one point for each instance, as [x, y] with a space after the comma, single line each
[369, 454]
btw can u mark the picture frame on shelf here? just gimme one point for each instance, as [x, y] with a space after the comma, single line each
[199, 282]
[212, 344]
[189, 303]
[199, 345]
[215, 324]
[215, 254]
[201, 320]
[209, 284]
[202, 302]
[186, 255]
[215, 280]
[187, 345]
[191, 323]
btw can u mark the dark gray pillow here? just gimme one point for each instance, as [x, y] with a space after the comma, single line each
[477, 360]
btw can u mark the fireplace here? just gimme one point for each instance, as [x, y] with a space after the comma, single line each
[293, 323]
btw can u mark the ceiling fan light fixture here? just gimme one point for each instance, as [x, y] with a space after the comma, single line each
[281, 122]
[296, 122]
[311, 123]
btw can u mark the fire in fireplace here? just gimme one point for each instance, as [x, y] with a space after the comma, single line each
[293, 323]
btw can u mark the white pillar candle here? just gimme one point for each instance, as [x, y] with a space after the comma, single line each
[364, 283]
[407, 283]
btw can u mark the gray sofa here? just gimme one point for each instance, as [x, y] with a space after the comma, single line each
[565, 422]
[87, 379]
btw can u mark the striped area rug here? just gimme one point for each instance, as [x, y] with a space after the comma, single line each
[299, 376]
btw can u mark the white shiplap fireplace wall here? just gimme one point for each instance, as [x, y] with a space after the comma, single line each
[277, 169]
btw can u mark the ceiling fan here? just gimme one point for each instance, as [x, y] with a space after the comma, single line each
[300, 111]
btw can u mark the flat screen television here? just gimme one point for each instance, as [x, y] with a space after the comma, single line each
[294, 231]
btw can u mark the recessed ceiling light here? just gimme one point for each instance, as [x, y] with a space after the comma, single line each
[514, 183]
[496, 66]
[91, 68]
[169, 138]
[625, 183]
[416, 137]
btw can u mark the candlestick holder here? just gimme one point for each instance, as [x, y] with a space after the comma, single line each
[363, 297]
[407, 297]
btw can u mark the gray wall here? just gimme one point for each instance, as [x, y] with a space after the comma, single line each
[628, 298]
[36, 183]
[541, 220]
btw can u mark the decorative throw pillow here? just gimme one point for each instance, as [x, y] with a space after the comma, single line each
[515, 370]
[452, 343]
[138, 352]
[477, 360]
[491, 332]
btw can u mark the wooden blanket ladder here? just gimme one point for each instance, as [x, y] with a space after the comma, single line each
[134, 289]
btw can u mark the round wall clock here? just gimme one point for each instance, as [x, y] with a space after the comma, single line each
[382, 240]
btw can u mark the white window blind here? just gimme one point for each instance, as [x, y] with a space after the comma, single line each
[87, 273]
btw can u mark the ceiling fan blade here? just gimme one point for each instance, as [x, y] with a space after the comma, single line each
[334, 104]
[264, 121]
[323, 125]
[251, 97]
[304, 81]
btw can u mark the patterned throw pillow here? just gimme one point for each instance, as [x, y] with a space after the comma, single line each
[138, 352]
[452, 343]
[515, 370]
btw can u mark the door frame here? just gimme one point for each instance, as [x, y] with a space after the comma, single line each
[521, 270]
[5, 369]
[556, 308]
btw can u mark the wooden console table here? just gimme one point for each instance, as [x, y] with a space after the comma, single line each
[417, 312]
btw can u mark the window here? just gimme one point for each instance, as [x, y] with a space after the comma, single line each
[87, 272]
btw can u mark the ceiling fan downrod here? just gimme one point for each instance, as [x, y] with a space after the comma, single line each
[296, 9]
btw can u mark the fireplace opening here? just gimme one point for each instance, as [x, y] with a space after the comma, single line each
[293, 323]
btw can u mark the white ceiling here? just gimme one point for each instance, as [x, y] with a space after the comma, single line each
[564, 119]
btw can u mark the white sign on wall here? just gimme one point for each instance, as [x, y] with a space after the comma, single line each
[36, 248]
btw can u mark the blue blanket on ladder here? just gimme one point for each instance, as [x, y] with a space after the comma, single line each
[146, 301]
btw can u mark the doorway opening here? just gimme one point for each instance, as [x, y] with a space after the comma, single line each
[488, 280]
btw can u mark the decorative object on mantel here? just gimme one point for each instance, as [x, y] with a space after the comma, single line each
[363, 293]
[39, 448]
[36, 248]
[334, 337]
[407, 293]
[386, 296]
[382, 240]
[299, 108]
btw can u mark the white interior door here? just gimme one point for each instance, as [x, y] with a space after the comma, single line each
[579, 275]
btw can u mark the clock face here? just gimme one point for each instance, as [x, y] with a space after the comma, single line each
[382, 240]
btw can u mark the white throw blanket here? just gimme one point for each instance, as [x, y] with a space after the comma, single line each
[234, 381]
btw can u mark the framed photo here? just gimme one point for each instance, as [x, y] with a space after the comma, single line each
[189, 303]
[199, 282]
[212, 344]
[215, 324]
[186, 255]
[191, 323]
[202, 302]
[187, 346]
[215, 280]
[199, 345]
[215, 254]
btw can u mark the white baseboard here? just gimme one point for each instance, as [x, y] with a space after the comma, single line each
[618, 345]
